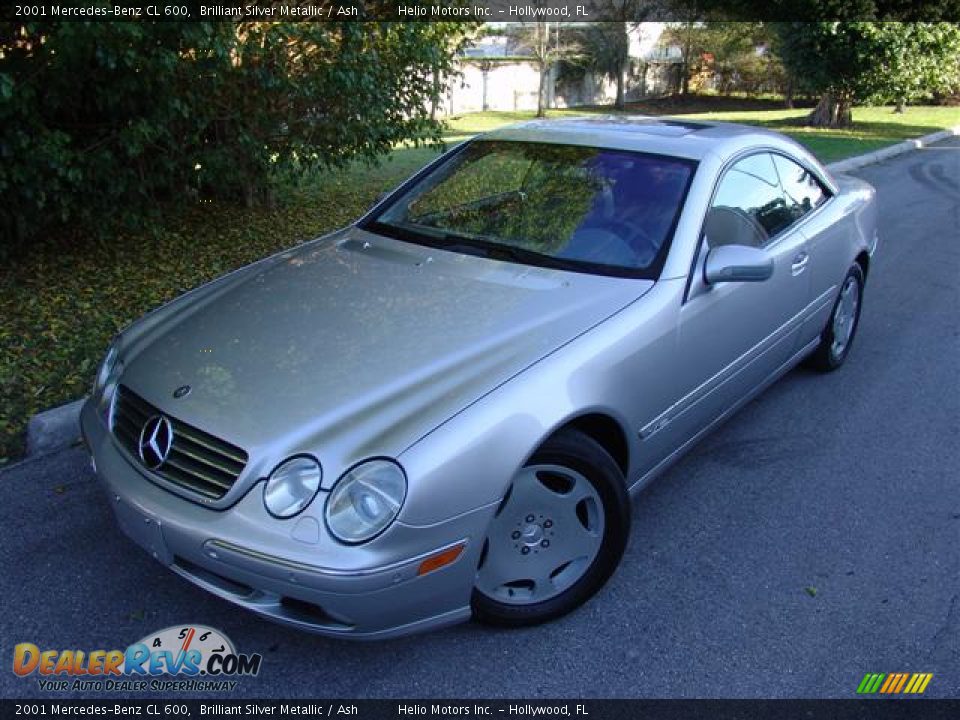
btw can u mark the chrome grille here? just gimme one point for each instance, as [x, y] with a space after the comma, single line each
[197, 460]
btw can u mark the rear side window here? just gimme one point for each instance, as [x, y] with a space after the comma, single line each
[803, 192]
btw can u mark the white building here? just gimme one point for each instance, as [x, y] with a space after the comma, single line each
[495, 74]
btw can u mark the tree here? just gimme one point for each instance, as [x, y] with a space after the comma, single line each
[921, 59]
[544, 42]
[606, 48]
[609, 41]
[725, 50]
[102, 121]
[853, 62]
[743, 57]
[687, 37]
[688, 34]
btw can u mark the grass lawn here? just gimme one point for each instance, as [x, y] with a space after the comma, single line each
[62, 300]
[874, 128]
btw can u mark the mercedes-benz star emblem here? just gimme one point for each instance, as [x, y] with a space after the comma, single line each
[155, 441]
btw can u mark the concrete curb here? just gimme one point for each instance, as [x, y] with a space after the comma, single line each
[59, 427]
[54, 429]
[888, 152]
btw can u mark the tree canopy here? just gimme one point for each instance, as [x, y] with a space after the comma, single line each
[728, 50]
[854, 62]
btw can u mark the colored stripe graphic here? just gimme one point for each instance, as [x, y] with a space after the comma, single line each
[903, 681]
[892, 679]
[918, 683]
[870, 683]
[894, 683]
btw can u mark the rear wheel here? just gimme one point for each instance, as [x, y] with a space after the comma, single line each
[837, 336]
[557, 536]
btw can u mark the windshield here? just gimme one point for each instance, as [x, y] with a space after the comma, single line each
[573, 207]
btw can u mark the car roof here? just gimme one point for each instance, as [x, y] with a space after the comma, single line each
[678, 137]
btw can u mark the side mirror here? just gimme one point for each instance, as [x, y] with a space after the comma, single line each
[737, 263]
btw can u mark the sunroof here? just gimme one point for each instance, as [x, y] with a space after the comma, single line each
[692, 126]
[648, 125]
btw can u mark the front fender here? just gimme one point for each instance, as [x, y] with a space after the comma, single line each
[469, 461]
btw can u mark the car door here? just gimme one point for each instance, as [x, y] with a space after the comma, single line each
[734, 335]
[805, 195]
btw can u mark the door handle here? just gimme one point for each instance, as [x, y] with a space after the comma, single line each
[800, 262]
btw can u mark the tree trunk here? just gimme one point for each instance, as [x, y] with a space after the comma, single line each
[788, 100]
[832, 111]
[620, 102]
[485, 67]
[685, 67]
[623, 61]
[844, 113]
[901, 106]
[542, 92]
[434, 96]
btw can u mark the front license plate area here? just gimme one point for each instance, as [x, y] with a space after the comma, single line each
[143, 530]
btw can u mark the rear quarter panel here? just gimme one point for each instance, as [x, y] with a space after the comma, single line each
[838, 232]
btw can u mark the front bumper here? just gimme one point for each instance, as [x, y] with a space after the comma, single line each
[291, 571]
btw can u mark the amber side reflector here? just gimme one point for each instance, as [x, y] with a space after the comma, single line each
[445, 557]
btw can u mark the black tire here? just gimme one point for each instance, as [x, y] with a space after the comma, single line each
[825, 358]
[579, 452]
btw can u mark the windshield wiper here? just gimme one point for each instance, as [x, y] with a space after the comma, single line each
[455, 242]
[509, 253]
[476, 246]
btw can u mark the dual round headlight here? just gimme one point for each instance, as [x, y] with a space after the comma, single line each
[361, 505]
[292, 486]
[366, 500]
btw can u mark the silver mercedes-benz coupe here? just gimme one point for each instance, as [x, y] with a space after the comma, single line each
[442, 410]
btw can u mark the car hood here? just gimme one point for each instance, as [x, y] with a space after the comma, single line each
[355, 344]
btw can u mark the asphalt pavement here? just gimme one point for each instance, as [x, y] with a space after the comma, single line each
[813, 538]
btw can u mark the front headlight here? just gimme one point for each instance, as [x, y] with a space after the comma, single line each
[366, 500]
[292, 486]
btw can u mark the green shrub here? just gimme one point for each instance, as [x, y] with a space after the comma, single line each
[101, 123]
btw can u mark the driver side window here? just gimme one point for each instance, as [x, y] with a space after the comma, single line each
[749, 207]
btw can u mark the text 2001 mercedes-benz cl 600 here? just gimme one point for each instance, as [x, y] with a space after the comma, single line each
[442, 410]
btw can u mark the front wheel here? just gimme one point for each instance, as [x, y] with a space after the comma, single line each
[837, 336]
[557, 536]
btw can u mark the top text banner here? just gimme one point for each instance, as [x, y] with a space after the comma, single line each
[481, 10]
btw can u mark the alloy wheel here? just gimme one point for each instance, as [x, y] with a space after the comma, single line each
[547, 533]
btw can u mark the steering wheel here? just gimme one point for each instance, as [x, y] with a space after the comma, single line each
[631, 235]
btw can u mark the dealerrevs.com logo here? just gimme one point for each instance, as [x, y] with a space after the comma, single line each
[202, 658]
